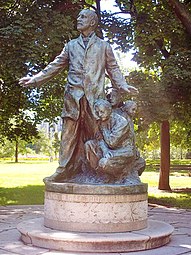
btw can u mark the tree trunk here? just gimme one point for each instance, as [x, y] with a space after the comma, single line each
[16, 151]
[185, 18]
[165, 157]
[182, 13]
[98, 8]
[181, 153]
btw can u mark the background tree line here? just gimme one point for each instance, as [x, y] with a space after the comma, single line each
[32, 33]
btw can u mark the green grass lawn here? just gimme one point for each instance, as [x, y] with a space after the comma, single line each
[180, 184]
[21, 183]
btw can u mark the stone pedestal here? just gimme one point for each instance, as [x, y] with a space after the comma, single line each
[95, 218]
[96, 208]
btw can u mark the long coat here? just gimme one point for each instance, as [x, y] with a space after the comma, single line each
[86, 75]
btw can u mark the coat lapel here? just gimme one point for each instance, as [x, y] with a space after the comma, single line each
[91, 41]
[80, 42]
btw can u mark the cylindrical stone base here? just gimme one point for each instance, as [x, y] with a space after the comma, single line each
[95, 208]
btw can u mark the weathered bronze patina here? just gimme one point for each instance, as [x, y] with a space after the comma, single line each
[88, 58]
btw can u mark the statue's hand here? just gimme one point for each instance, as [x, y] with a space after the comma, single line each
[131, 90]
[108, 155]
[98, 136]
[26, 81]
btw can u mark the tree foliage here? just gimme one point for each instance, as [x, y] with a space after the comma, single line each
[31, 35]
[161, 45]
[161, 42]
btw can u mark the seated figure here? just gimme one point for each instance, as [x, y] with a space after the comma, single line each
[113, 152]
[127, 109]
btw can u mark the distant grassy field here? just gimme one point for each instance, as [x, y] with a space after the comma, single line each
[21, 183]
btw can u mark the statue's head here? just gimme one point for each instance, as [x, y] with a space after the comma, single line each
[102, 109]
[130, 107]
[87, 21]
[115, 97]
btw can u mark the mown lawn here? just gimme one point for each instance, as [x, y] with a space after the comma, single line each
[180, 183]
[22, 183]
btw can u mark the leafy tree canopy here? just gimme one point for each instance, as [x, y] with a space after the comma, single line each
[31, 35]
[162, 48]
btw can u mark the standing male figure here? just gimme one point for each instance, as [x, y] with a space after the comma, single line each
[88, 57]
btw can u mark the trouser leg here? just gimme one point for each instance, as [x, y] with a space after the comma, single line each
[74, 135]
[93, 153]
[68, 145]
[69, 140]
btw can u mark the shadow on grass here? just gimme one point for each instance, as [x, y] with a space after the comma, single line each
[26, 195]
[182, 200]
[183, 190]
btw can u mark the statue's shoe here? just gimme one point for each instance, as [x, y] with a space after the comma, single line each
[57, 176]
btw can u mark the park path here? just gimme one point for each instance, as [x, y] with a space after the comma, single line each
[10, 243]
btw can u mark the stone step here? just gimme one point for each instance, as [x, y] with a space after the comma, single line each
[155, 235]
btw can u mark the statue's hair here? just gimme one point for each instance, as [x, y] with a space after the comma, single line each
[93, 15]
[119, 95]
[128, 104]
[104, 103]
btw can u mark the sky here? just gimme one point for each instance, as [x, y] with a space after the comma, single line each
[108, 5]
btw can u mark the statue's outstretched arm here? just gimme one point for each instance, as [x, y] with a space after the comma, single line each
[51, 70]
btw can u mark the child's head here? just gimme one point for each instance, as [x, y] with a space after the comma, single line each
[102, 109]
[115, 97]
[130, 107]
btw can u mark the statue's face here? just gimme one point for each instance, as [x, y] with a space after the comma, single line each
[102, 112]
[85, 21]
[132, 110]
[115, 98]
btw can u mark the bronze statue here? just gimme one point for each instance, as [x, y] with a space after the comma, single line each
[114, 153]
[87, 58]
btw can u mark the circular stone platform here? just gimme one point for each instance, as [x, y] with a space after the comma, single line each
[95, 208]
[155, 235]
